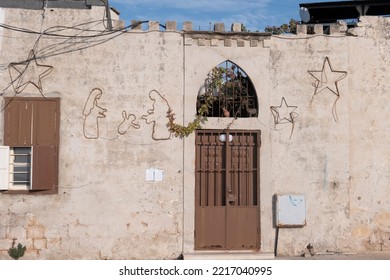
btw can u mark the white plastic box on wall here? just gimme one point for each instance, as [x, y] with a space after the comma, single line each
[290, 210]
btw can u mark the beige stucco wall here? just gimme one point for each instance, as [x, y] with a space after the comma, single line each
[343, 166]
[106, 208]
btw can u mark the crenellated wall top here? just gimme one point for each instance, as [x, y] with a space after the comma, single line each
[220, 32]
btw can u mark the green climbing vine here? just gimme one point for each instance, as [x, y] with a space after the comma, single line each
[183, 131]
[213, 83]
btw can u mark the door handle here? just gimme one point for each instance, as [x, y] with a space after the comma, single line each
[231, 198]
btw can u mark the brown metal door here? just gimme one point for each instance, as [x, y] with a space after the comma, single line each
[227, 195]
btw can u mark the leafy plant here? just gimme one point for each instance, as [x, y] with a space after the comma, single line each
[291, 27]
[213, 83]
[183, 131]
[16, 252]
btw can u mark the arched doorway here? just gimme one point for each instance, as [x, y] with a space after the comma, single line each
[227, 165]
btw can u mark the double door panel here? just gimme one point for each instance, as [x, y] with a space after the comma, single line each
[227, 190]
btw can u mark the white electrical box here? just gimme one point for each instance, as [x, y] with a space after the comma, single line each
[290, 210]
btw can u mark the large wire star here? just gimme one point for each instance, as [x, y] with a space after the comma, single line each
[28, 72]
[328, 78]
[284, 114]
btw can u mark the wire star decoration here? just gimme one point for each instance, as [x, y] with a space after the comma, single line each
[28, 72]
[284, 114]
[328, 78]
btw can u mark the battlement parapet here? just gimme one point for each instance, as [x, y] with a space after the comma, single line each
[219, 29]
[218, 37]
[187, 26]
[322, 29]
[218, 34]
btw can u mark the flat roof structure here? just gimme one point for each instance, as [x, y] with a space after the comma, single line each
[329, 12]
[39, 4]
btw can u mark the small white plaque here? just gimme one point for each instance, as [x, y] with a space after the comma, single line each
[158, 175]
[149, 174]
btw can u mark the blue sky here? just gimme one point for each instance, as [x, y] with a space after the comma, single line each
[254, 14]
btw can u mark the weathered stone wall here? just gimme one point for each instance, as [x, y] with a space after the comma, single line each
[330, 144]
[105, 207]
[337, 154]
[370, 156]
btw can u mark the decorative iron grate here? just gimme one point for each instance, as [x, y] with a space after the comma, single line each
[232, 92]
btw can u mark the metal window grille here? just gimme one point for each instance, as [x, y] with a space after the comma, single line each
[232, 92]
[227, 167]
[20, 166]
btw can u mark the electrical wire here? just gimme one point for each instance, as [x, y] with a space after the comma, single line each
[69, 43]
[81, 39]
[78, 39]
[52, 34]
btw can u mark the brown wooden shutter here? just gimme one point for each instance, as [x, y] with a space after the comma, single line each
[34, 122]
[45, 144]
[17, 123]
[46, 122]
[44, 168]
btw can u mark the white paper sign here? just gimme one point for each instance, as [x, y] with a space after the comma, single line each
[158, 175]
[152, 174]
[149, 174]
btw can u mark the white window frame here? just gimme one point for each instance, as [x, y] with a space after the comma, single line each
[7, 172]
[4, 168]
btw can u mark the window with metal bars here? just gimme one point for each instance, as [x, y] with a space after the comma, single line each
[20, 167]
[228, 92]
[29, 157]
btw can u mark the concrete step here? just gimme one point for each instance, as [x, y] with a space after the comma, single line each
[228, 255]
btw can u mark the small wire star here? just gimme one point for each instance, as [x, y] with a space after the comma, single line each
[28, 72]
[284, 114]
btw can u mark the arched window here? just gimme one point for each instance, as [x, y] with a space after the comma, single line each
[228, 92]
